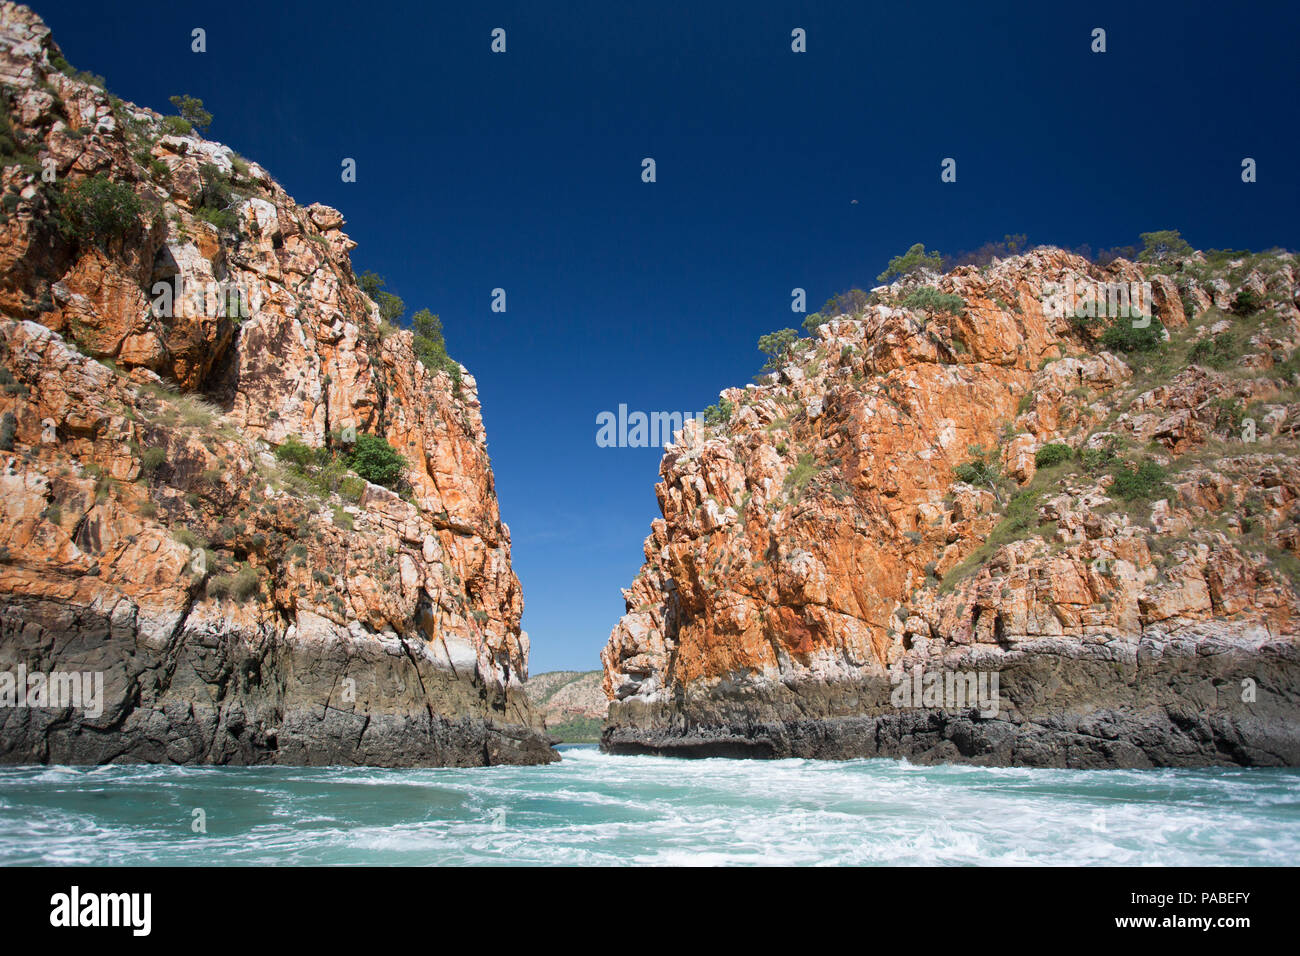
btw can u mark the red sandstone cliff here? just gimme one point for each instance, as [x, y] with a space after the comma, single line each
[243, 609]
[821, 544]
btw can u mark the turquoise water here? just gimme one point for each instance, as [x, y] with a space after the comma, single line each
[597, 809]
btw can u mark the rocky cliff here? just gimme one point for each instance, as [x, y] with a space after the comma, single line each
[572, 703]
[180, 508]
[971, 478]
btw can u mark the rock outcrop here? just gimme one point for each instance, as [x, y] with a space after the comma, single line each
[1102, 513]
[188, 367]
[572, 703]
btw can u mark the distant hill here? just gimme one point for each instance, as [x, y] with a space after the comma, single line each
[571, 702]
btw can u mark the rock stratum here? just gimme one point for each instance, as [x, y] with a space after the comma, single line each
[1102, 515]
[244, 607]
[572, 703]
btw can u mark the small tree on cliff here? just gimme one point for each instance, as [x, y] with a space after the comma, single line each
[912, 261]
[778, 347]
[98, 209]
[376, 461]
[431, 348]
[391, 307]
[1163, 244]
[982, 469]
[191, 110]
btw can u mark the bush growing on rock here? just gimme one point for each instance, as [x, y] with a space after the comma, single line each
[84, 76]
[98, 209]
[720, 413]
[216, 198]
[431, 348]
[8, 429]
[980, 470]
[852, 303]
[977, 471]
[152, 459]
[1229, 414]
[909, 263]
[1217, 351]
[352, 488]
[1163, 244]
[1247, 302]
[1142, 482]
[929, 298]
[797, 478]
[376, 461]
[778, 347]
[427, 341]
[177, 126]
[240, 586]
[296, 452]
[191, 110]
[1052, 454]
[1121, 336]
[1094, 460]
[391, 307]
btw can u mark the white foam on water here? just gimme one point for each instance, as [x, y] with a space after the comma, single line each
[594, 808]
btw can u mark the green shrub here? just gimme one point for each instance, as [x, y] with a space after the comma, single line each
[719, 414]
[296, 452]
[188, 538]
[215, 199]
[1143, 482]
[240, 586]
[8, 431]
[177, 126]
[1247, 302]
[912, 261]
[1096, 459]
[391, 307]
[1216, 352]
[342, 519]
[224, 219]
[980, 470]
[1229, 413]
[976, 473]
[352, 488]
[1163, 244]
[929, 298]
[1053, 454]
[192, 111]
[376, 461]
[12, 151]
[1121, 336]
[799, 476]
[97, 209]
[778, 347]
[431, 348]
[152, 459]
[85, 76]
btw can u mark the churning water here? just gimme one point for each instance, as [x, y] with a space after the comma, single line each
[593, 808]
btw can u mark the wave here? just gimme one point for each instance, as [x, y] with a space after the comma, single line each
[594, 808]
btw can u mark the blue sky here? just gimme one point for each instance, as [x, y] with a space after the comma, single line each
[523, 171]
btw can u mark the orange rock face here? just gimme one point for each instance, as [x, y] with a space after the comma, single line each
[245, 609]
[832, 536]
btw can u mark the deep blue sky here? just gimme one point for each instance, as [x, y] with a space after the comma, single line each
[522, 171]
